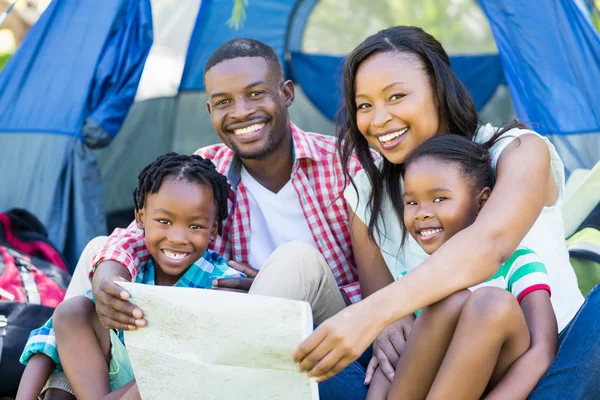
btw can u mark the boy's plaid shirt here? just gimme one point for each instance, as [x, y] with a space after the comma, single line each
[200, 275]
[317, 177]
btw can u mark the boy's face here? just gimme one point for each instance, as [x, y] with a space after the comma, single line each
[178, 221]
[438, 202]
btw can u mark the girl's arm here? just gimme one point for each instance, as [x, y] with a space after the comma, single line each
[524, 184]
[373, 273]
[524, 374]
[38, 370]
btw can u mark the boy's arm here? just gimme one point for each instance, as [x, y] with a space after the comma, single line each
[36, 373]
[522, 377]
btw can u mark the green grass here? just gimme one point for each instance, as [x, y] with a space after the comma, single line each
[4, 59]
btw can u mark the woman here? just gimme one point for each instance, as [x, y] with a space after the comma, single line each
[399, 91]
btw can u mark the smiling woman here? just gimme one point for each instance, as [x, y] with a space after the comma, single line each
[407, 95]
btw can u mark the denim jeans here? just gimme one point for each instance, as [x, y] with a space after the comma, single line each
[575, 374]
[348, 384]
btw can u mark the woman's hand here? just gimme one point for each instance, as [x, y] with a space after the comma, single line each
[388, 347]
[337, 342]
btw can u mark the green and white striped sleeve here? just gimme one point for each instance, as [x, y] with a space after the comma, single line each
[525, 272]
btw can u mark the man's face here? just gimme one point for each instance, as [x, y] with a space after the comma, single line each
[247, 103]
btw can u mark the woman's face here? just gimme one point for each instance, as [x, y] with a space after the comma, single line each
[396, 109]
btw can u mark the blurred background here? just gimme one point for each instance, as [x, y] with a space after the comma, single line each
[90, 92]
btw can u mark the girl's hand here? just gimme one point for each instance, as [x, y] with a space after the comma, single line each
[337, 342]
[388, 347]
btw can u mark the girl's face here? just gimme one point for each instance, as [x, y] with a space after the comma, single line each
[438, 202]
[178, 221]
[396, 109]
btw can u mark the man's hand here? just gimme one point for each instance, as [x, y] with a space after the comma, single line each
[387, 348]
[237, 284]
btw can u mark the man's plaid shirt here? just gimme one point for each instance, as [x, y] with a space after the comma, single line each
[317, 177]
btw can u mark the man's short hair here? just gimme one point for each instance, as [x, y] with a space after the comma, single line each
[243, 47]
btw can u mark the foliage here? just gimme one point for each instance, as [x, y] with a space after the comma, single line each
[238, 14]
[4, 59]
[337, 26]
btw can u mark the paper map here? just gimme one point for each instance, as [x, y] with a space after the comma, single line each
[206, 344]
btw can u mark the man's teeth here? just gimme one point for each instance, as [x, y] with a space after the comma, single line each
[174, 256]
[393, 135]
[249, 129]
[429, 232]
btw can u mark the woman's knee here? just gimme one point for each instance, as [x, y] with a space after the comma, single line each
[492, 306]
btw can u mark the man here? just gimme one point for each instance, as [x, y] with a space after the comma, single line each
[286, 187]
[287, 228]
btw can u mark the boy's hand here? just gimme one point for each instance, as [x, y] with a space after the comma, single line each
[237, 284]
[388, 347]
[113, 307]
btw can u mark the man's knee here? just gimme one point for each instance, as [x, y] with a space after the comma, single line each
[295, 253]
[296, 248]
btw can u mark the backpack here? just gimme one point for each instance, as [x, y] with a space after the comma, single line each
[33, 281]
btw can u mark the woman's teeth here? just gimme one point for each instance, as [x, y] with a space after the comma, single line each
[249, 129]
[429, 232]
[393, 135]
[174, 256]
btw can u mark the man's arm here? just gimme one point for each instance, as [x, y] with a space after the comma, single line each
[119, 259]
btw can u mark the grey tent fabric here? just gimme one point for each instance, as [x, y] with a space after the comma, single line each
[61, 185]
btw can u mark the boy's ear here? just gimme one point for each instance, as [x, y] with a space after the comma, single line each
[214, 231]
[483, 197]
[139, 217]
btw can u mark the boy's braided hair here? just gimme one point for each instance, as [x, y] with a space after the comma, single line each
[189, 168]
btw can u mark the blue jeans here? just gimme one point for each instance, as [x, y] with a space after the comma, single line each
[575, 374]
[348, 384]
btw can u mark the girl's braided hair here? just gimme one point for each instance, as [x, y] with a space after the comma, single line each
[189, 168]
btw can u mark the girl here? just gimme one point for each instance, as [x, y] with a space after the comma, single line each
[471, 340]
[180, 203]
[399, 91]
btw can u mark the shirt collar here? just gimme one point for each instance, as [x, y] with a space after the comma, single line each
[147, 274]
[303, 146]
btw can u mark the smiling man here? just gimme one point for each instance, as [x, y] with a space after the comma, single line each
[288, 225]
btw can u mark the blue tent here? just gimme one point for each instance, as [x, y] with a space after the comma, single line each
[68, 89]
[70, 85]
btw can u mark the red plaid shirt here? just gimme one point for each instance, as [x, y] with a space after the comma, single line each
[317, 177]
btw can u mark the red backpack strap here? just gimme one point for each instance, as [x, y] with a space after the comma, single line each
[38, 248]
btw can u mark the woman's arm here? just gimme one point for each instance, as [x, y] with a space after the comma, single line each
[524, 374]
[524, 184]
[373, 273]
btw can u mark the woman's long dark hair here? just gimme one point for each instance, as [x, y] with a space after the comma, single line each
[455, 109]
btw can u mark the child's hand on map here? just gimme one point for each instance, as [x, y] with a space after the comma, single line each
[112, 301]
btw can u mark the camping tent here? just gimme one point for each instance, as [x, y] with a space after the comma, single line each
[544, 56]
